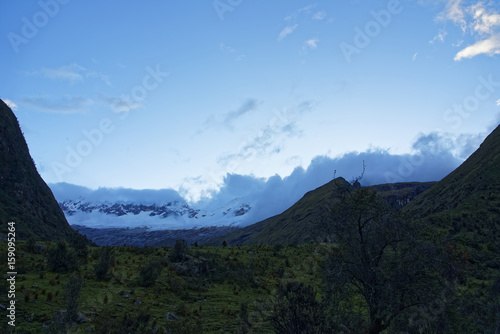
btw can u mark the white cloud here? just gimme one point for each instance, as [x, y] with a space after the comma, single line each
[480, 20]
[63, 105]
[11, 104]
[319, 15]
[294, 15]
[72, 73]
[489, 46]
[226, 48]
[312, 43]
[287, 31]
[498, 103]
[414, 56]
[439, 37]
[435, 155]
[484, 22]
[455, 13]
[120, 103]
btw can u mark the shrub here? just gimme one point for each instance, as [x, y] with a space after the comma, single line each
[106, 261]
[294, 309]
[150, 273]
[61, 258]
[73, 288]
[179, 251]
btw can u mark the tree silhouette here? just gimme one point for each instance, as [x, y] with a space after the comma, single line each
[379, 264]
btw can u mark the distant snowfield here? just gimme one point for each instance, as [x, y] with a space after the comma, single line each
[101, 220]
[165, 216]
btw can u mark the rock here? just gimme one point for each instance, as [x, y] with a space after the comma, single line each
[81, 319]
[172, 316]
[39, 248]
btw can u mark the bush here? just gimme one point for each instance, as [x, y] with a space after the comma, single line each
[73, 288]
[150, 273]
[137, 322]
[294, 309]
[106, 262]
[179, 251]
[61, 258]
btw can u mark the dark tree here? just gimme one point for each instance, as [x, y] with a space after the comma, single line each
[106, 262]
[179, 251]
[150, 272]
[73, 288]
[379, 264]
[62, 258]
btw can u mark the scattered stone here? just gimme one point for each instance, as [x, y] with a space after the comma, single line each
[172, 316]
[81, 319]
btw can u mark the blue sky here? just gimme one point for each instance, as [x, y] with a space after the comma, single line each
[171, 94]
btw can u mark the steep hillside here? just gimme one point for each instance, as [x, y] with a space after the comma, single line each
[24, 197]
[471, 189]
[299, 223]
[465, 205]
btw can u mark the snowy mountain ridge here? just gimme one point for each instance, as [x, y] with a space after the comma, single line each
[165, 215]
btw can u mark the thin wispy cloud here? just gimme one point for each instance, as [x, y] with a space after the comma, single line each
[268, 141]
[319, 15]
[439, 36]
[64, 105]
[311, 44]
[271, 139]
[10, 103]
[455, 13]
[119, 104]
[227, 120]
[247, 106]
[287, 31]
[228, 49]
[498, 103]
[414, 56]
[294, 15]
[72, 74]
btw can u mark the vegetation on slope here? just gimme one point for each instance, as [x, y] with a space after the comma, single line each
[24, 197]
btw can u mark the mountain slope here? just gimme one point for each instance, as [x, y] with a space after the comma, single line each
[24, 197]
[465, 205]
[299, 223]
[472, 188]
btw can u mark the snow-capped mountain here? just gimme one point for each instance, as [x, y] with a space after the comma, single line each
[155, 216]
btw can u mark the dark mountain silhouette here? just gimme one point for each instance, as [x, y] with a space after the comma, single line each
[24, 197]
